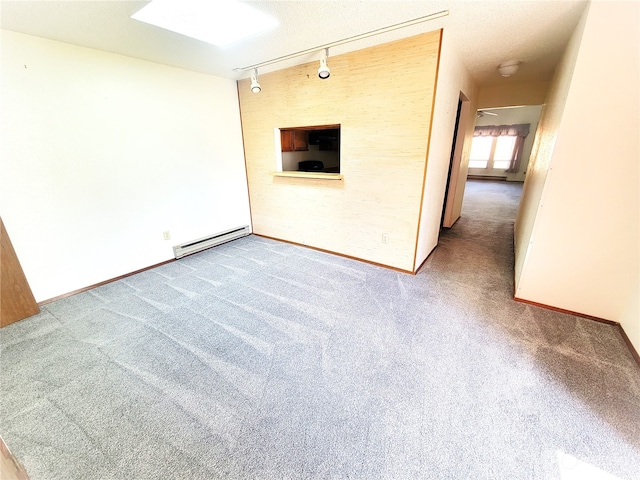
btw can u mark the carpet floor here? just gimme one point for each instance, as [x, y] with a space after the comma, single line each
[258, 359]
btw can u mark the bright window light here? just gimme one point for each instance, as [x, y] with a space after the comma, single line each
[480, 152]
[218, 22]
[481, 148]
[504, 148]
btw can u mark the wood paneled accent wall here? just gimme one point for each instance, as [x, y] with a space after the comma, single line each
[382, 97]
[16, 300]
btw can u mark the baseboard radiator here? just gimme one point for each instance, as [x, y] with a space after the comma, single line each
[195, 246]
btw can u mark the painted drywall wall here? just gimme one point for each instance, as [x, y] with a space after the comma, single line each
[511, 116]
[382, 98]
[453, 79]
[583, 253]
[103, 153]
[512, 93]
[542, 150]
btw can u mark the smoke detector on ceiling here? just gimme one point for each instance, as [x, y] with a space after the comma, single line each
[508, 68]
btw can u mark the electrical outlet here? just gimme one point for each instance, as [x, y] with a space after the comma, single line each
[167, 235]
[385, 238]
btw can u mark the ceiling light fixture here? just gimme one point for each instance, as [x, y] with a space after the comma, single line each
[507, 69]
[323, 70]
[255, 86]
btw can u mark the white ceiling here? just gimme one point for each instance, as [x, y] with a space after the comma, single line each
[486, 32]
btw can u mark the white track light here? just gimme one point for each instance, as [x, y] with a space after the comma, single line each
[255, 86]
[323, 71]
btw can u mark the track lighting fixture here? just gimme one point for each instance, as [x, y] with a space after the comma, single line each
[379, 31]
[255, 86]
[323, 70]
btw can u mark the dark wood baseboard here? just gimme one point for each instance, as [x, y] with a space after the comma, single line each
[454, 222]
[428, 256]
[90, 287]
[424, 261]
[487, 177]
[562, 310]
[336, 253]
[632, 349]
[492, 178]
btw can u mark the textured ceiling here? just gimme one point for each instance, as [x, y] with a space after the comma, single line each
[485, 33]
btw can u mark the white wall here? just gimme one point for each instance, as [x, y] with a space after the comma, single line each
[583, 251]
[511, 92]
[102, 153]
[542, 150]
[512, 116]
[453, 78]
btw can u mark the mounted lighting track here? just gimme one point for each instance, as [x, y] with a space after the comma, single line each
[379, 31]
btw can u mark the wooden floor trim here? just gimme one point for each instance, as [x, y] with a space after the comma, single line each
[630, 346]
[632, 349]
[90, 287]
[336, 253]
[425, 260]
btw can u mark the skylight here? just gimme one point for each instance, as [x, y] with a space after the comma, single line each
[217, 22]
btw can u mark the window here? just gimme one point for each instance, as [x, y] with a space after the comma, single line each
[480, 152]
[503, 153]
[492, 152]
[498, 147]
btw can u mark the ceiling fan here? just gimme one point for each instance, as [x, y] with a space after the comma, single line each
[482, 113]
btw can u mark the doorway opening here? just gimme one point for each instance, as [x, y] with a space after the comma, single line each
[455, 188]
[451, 159]
[492, 168]
[501, 135]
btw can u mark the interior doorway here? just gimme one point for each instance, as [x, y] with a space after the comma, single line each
[453, 148]
[455, 188]
[457, 179]
[487, 163]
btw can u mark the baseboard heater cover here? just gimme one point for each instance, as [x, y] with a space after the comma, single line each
[195, 246]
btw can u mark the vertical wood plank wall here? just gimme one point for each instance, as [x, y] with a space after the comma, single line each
[16, 300]
[382, 97]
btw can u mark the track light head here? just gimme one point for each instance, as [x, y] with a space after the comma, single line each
[323, 70]
[255, 86]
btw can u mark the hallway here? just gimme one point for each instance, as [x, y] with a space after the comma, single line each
[480, 243]
[573, 367]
